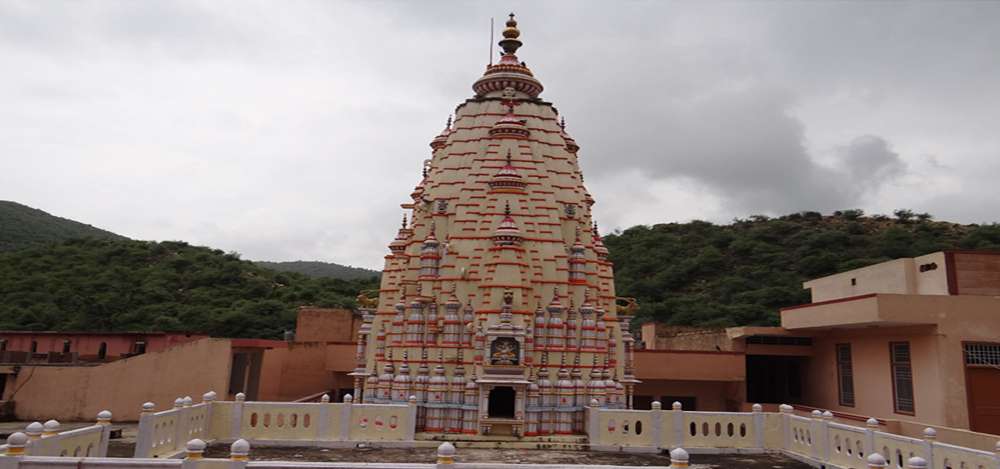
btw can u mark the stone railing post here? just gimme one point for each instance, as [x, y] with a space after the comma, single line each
[180, 423]
[194, 451]
[825, 437]
[144, 438]
[445, 456]
[758, 425]
[209, 400]
[236, 419]
[323, 415]
[814, 435]
[594, 421]
[996, 454]
[876, 461]
[871, 426]
[656, 418]
[239, 453]
[411, 427]
[678, 423]
[104, 421]
[786, 425]
[344, 433]
[930, 435]
[679, 458]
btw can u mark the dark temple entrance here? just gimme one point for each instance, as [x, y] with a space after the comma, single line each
[502, 402]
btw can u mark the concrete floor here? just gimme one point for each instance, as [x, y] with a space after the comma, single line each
[427, 455]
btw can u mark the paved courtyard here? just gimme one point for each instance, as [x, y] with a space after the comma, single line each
[427, 455]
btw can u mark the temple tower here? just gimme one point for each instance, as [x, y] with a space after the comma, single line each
[497, 270]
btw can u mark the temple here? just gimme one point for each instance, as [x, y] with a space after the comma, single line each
[497, 310]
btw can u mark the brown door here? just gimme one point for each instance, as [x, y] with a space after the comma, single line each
[984, 400]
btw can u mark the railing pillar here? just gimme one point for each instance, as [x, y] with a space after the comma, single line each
[323, 415]
[144, 438]
[758, 425]
[871, 426]
[825, 437]
[411, 428]
[656, 420]
[996, 454]
[16, 443]
[930, 435]
[104, 421]
[182, 423]
[813, 436]
[594, 421]
[786, 425]
[345, 418]
[236, 419]
[678, 423]
[209, 400]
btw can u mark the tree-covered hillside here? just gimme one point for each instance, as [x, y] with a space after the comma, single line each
[320, 269]
[22, 226]
[116, 285]
[699, 273]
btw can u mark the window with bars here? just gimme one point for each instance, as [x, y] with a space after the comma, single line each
[982, 354]
[845, 375]
[902, 377]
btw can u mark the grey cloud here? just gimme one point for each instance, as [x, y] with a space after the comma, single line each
[294, 131]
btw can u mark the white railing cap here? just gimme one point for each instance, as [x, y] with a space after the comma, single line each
[196, 445]
[34, 427]
[446, 449]
[17, 439]
[876, 460]
[240, 446]
[676, 405]
[916, 462]
[679, 454]
[872, 422]
[930, 433]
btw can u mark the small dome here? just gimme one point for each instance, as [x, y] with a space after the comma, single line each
[571, 145]
[507, 233]
[509, 126]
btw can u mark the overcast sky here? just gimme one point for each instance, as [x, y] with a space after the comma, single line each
[293, 130]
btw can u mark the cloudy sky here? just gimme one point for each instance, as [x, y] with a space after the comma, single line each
[293, 130]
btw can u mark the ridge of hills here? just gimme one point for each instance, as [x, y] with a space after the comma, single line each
[703, 274]
[58, 274]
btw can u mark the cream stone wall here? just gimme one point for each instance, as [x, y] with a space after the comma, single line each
[79, 393]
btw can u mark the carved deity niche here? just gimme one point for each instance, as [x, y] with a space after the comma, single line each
[505, 351]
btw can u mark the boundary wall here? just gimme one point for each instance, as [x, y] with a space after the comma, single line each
[815, 439]
[164, 434]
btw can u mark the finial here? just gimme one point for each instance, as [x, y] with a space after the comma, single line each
[562, 123]
[506, 209]
[448, 125]
[404, 220]
[424, 172]
[508, 157]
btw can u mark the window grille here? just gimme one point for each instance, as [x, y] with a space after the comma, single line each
[982, 354]
[902, 377]
[845, 375]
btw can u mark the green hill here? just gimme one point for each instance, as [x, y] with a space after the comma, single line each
[700, 273]
[117, 285]
[320, 269]
[22, 226]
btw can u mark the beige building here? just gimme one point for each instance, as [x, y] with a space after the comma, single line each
[915, 339]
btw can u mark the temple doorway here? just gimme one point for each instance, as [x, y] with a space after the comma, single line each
[502, 402]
